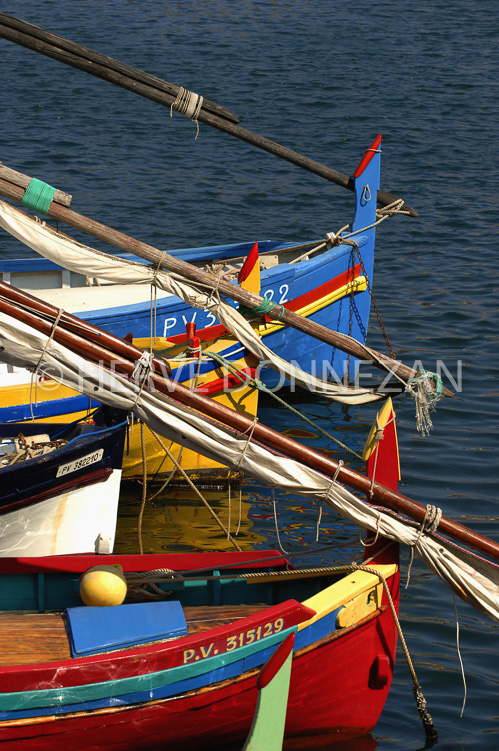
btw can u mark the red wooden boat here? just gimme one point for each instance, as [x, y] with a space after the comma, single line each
[181, 673]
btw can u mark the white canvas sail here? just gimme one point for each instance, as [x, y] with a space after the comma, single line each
[472, 578]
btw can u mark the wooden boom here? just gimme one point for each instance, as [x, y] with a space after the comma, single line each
[104, 67]
[10, 301]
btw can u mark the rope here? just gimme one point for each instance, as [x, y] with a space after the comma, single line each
[137, 582]
[326, 495]
[312, 250]
[35, 371]
[425, 397]
[245, 378]
[263, 308]
[144, 487]
[379, 434]
[154, 297]
[239, 521]
[276, 523]
[430, 732]
[429, 525]
[38, 196]
[460, 658]
[369, 544]
[250, 435]
[189, 104]
[142, 369]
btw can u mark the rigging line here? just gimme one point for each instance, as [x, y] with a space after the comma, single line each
[430, 732]
[458, 647]
[144, 488]
[239, 521]
[35, 371]
[245, 378]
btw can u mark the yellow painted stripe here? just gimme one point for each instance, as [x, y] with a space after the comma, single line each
[341, 592]
[358, 285]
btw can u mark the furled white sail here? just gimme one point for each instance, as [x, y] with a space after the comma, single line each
[82, 259]
[472, 578]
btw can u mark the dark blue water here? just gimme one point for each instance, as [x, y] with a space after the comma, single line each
[322, 78]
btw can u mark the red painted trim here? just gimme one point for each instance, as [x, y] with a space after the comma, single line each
[322, 290]
[368, 156]
[275, 662]
[192, 562]
[81, 482]
[213, 332]
[249, 264]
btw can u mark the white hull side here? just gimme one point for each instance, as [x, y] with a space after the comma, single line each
[67, 523]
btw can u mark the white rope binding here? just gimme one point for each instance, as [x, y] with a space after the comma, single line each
[188, 103]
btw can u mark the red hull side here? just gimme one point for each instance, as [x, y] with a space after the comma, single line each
[334, 695]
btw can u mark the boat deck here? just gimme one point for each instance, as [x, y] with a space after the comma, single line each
[28, 638]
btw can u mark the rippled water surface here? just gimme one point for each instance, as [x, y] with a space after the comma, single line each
[322, 78]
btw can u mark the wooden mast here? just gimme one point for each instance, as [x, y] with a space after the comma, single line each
[104, 67]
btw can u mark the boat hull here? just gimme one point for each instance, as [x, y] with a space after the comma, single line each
[191, 698]
[67, 500]
[329, 700]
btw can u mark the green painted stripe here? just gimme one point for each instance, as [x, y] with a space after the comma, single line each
[56, 697]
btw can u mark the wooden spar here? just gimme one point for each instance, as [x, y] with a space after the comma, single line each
[104, 67]
[17, 178]
[99, 65]
[270, 438]
[207, 279]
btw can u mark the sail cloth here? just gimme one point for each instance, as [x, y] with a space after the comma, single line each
[82, 259]
[472, 578]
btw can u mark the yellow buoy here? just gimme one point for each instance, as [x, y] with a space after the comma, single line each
[103, 585]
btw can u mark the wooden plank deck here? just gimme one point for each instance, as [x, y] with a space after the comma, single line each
[30, 638]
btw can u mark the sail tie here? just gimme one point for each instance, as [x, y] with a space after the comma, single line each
[248, 441]
[429, 525]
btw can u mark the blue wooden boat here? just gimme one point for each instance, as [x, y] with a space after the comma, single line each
[330, 287]
[60, 485]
